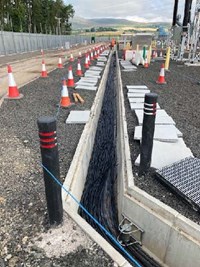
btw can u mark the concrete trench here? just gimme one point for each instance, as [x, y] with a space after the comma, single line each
[100, 177]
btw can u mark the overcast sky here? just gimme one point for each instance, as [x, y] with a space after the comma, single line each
[138, 10]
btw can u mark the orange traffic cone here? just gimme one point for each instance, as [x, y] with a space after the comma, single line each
[65, 100]
[161, 54]
[95, 54]
[161, 78]
[146, 64]
[91, 55]
[79, 71]
[88, 56]
[13, 92]
[71, 58]
[44, 72]
[86, 65]
[60, 65]
[70, 81]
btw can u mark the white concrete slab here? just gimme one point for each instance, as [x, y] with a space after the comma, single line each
[145, 91]
[136, 100]
[179, 133]
[130, 67]
[93, 72]
[100, 64]
[136, 87]
[86, 83]
[135, 106]
[78, 116]
[86, 87]
[164, 153]
[104, 59]
[161, 117]
[96, 68]
[164, 133]
[128, 70]
[92, 75]
[136, 95]
[89, 79]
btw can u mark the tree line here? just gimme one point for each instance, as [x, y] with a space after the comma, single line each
[36, 16]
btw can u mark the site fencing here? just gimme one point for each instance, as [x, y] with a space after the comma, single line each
[20, 42]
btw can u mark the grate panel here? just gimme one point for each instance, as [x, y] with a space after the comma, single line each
[184, 178]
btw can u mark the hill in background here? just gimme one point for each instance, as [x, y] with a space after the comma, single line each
[82, 23]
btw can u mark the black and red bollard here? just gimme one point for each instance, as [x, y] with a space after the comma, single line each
[50, 160]
[148, 127]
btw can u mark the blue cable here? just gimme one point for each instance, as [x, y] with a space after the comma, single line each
[87, 212]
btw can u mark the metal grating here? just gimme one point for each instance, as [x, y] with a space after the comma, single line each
[184, 178]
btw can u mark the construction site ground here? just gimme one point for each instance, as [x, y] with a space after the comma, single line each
[180, 97]
[26, 238]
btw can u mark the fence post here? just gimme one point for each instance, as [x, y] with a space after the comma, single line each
[147, 132]
[50, 159]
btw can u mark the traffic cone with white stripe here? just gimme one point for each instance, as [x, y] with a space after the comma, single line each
[70, 81]
[91, 55]
[79, 71]
[86, 65]
[88, 56]
[60, 65]
[65, 99]
[13, 92]
[44, 71]
[146, 64]
[71, 58]
[161, 78]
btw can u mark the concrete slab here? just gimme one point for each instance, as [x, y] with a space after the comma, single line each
[161, 117]
[78, 116]
[128, 70]
[136, 100]
[136, 95]
[135, 106]
[104, 59]
[86, 83]
[164, 133]
[136, 87]
[89, 79]
[164, 153]
[92, 75]
[100, 64]
[93, 72]
[86, 87]
[145, 91]
[96, 68]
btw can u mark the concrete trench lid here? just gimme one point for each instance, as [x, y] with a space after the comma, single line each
[86, 83]
[136, 100]
[96, 68]
[86, 87]
[93, 72]
[104, 59]
[161, 117]
[92, 75]
[135, 95]
[136, 87]
[88, 79]
[164, 133]
[78, 116]
[145, 91]
[164, 153]
[135, 106]
[100, 64]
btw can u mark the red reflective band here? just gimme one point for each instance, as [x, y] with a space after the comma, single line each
[47, 140]
[48, 146]
[47, 134]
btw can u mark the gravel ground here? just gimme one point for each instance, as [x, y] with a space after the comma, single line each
[180, 97]
[22, 199]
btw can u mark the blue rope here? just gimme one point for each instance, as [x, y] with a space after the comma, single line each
[87, 212]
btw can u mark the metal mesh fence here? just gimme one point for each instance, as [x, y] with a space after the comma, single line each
[20, 42]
